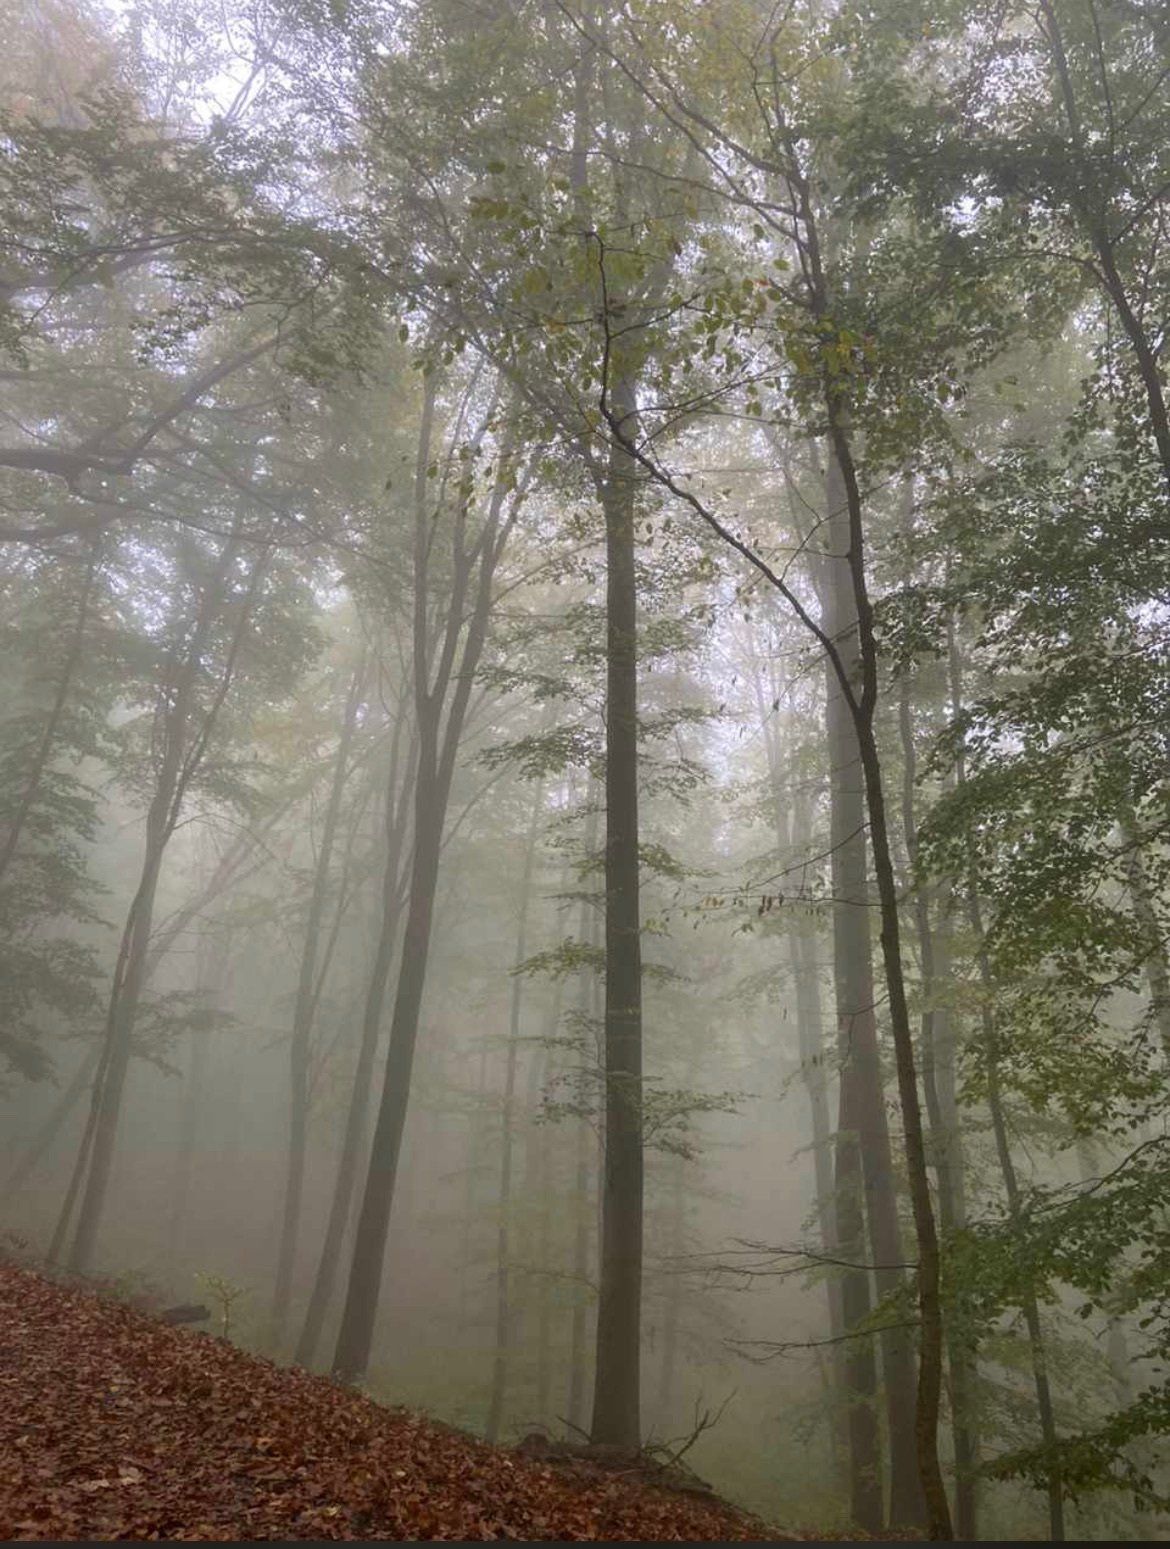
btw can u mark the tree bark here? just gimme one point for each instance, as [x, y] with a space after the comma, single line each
[617, 1389]
[474, 563]
[303, 1017]
[863, 1110]
[863, 707]
[212, 962]
[399, 801]
[938, 1080]
[182, 755]
[672, 1312]
[792, 822]
[503, 1350]
[589, 1008]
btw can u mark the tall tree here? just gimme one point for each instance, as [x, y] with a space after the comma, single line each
[304, 1007]
[451, 614]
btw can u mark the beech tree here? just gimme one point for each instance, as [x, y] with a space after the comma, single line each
[584, 720]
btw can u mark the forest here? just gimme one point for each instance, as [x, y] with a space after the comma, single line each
[585, 726]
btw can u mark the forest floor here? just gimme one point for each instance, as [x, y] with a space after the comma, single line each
[114, 1425]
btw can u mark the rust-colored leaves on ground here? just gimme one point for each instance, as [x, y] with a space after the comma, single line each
[115, 1426]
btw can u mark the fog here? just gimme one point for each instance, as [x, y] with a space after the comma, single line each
[582, 784]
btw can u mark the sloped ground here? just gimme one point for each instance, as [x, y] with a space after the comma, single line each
[113, 1425]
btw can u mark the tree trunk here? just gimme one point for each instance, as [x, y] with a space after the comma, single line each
[938, 1080]
[585, 1147]
[111, 1083]
[863, 1110]
[357, 1325]
[474, 562]
[672, 1312]
[181, 757]
[928, 1395]
[616, 1393]
[211, 972]
[194, 1093]
[303, 1016]
[544, 1284]
[793, 827]
[398, 804]
[578, 1322]
[500, 1360]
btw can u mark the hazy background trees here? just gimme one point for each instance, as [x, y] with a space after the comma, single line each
[584, 765]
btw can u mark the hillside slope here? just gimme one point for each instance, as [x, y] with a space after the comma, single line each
[113, 1425]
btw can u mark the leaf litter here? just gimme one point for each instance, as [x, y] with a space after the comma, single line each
[114, 1425]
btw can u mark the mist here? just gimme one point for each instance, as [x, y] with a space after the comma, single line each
[583, 767]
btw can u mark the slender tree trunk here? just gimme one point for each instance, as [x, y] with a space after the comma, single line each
[793, 827]
[806, 974]
[813, 1059]
[539, 1184]
[398, 803]
[672, 1312]
[194, 1094]
[938, 1080]
[468, 1300]
[303, 1016]
[854, 659]
[474, 562]
[616, 1393]
[108, 1092]
[860, 1359]
[503, 1349]
[545, 1259]
[211, 972]
[578, 1322]
[585, 1148]
[929, 1388]
[357, 1327]
[182, 755]
[863, 1098]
